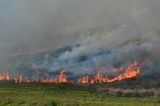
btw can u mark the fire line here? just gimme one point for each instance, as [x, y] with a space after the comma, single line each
[129, 72]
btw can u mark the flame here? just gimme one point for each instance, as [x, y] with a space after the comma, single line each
[5, 76]
[62, 77]
[128, 72]
[99, 78]
[84, 80]
[131, 71]
[46, 80]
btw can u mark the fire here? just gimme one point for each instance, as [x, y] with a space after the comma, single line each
[128, 72]
[99, 78]
[84, 80]
[131, 71]
[46, 80]
[62, 77]
[5, 76]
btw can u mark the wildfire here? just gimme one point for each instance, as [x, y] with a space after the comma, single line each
[62, 77]
[128, 72]
[131, 71]
[84, 80]
[5, 76]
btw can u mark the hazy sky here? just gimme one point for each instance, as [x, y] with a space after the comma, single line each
[27, 25]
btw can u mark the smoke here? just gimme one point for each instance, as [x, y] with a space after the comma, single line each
[129, 29]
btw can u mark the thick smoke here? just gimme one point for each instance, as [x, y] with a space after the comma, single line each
[109, 31]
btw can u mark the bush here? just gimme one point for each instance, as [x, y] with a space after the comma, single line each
[53, 103]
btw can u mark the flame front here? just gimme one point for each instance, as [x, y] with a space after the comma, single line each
[128, 72]
[131, 71]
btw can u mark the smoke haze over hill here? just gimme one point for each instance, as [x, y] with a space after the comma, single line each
[129, 29]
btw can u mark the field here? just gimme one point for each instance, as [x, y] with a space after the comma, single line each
[65, 95]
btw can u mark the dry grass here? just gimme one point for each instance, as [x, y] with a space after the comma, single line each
[131, 92]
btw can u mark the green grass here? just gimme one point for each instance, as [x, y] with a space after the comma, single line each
[64, 95]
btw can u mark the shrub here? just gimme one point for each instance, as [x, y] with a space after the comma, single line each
[53, 103]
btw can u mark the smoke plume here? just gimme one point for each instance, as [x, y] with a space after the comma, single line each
[108, 32]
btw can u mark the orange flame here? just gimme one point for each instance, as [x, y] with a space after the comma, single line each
[5, 76]
[62, 77]
[129, 72]
[99, 78]
[84, 80]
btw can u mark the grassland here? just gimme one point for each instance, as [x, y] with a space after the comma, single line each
[65, 95]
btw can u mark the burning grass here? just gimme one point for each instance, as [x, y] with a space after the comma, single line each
[124, 89]
[130, 71]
